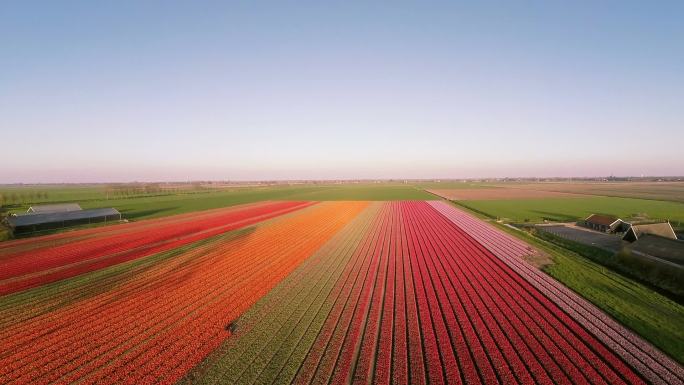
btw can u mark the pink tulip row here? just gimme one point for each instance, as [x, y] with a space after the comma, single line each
[643, 357]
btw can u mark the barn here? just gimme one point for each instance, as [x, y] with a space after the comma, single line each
[604, 223]
[663, 229]
[38, 221]
[664, 248]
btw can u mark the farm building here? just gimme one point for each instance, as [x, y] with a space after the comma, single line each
[605, 223]
[663, 248]
[54, 208]
[663, 229]
[44, 221]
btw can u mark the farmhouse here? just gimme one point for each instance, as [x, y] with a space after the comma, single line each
[663, 229]
[44, 221]
[663, 248]
[604, 223]
[54, 208]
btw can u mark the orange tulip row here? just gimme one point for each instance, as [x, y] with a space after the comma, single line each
[45, 262]
[163, 319]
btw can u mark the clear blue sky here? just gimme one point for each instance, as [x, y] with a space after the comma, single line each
[146, 90]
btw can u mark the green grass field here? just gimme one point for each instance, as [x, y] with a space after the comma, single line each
[571, 209]
[153, 206]
[55, 193]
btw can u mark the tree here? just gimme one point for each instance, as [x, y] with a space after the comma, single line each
[108, 190]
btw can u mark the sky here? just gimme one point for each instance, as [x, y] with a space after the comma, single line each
[247, 90]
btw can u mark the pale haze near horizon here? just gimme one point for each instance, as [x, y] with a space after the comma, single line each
[153, 91]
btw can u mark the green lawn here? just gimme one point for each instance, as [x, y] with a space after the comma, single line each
[570, 209]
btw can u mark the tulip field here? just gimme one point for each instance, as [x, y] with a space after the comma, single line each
[32, 262]
[402, 292]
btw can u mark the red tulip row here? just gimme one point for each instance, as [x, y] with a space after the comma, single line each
[52, 240]
[643, 357]
[395, 318]
[441, 362]
[42, 301]
[482, 301]
[164, 320]
[414, 330]
[382, 312]
[22, 269]
[50, 243]
[464, 329]
[424, 302]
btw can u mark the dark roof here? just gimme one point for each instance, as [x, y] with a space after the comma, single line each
[600, 219]
[55, 208]
[665, 248]
[660, 229]
[36, 219]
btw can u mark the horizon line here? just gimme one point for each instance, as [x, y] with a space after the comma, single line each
[348, 180]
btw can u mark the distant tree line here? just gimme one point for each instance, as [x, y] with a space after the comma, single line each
[126, 190]
[10, 198]
[112, 191]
